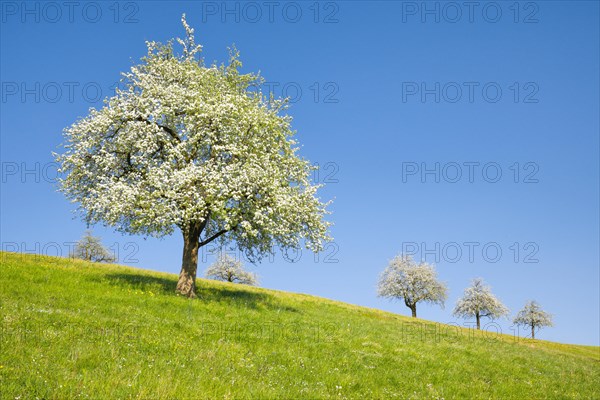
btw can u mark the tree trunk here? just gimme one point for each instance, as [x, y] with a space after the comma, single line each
[478, 318]
[413, 308]
[189, 265]
[532, 332]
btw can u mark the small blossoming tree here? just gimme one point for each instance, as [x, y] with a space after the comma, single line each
[196, 148]
[229, 269]
[405, 279]
[478, 301]
[532, 316]
[90, 248]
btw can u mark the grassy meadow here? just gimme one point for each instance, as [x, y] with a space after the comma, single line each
[73, 329]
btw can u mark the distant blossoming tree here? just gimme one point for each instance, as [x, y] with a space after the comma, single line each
[532, 316]
[196, 148]
[405, 279]
[478, 301]
[90, 248]
[229, 269]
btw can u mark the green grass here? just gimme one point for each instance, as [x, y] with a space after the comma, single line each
[77, 329]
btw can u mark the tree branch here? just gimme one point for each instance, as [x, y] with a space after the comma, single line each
[216, 235]
[163, 127]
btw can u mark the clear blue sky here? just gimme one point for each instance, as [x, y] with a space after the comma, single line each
[397, 93]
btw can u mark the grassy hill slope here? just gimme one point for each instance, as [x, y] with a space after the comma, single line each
[77, 329]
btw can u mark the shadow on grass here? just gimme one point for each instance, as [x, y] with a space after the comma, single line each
[142, 282]
[241, 296]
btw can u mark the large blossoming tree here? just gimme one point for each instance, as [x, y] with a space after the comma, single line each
[196, 148]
